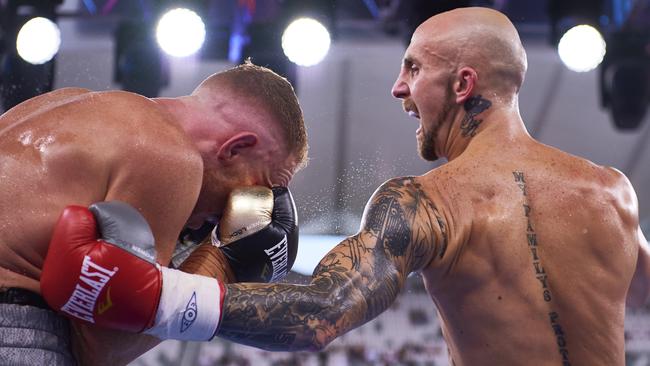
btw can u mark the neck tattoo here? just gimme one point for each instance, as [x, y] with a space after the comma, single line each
[473, 106]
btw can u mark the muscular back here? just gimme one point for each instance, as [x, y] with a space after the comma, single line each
[541, 251]
[73, 146]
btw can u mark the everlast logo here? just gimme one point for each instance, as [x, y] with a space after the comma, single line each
[92, 280]
[279, 259]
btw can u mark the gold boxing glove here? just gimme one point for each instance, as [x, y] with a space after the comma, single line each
[258, 233]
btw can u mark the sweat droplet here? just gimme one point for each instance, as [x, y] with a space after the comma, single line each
[42, 143]
[25, 138]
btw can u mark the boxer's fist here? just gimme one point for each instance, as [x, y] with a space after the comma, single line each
[100, 268]
[258, 233]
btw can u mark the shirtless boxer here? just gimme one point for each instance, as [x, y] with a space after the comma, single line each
[174, 159]
[527, 252]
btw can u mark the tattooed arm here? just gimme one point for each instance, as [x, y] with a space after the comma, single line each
[401, 232]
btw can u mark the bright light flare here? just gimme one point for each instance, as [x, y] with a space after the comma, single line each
[582, 48]
[180, 32]
[38, 40]
[306, 42]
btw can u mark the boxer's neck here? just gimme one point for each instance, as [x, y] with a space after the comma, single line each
[494, 122]
[176, 108]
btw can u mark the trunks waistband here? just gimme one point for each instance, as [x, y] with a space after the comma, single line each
[20, 296]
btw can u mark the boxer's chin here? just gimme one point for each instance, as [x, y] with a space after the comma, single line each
[426, 147]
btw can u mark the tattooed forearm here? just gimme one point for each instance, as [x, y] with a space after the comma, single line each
[350, 286]
[473, 107]
[354, 283]
[540, 272]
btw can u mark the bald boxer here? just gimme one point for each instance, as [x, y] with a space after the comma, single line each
[528, 253]
[175, 160]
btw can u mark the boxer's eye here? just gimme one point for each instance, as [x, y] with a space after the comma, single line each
[409, 66]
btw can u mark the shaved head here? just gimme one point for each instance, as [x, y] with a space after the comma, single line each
[460, 64]
[480, 38]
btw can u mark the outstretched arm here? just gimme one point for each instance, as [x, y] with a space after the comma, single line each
[401, 232]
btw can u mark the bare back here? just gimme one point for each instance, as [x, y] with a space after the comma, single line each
[73, 146]
[541, 252]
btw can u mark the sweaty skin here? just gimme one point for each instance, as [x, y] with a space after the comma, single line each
[526, 251]
[73, 146]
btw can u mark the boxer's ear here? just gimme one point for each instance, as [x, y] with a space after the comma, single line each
[465, 84]
[237, 145]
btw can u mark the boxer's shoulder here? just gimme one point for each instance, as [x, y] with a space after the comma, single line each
[126, 137]
[131, 120]
[615, 178]
[126, 106]
[407, 190]
[600, 183]
[416, 214]
[38, 106]
[618, 189]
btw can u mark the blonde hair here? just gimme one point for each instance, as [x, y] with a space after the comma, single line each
[274, 93]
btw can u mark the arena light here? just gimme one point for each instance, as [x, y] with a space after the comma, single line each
[306, 42]
[180, 32]
[582, 48]
[38, 41]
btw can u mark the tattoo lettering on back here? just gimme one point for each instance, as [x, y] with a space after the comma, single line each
[540, 272]
[473, 106]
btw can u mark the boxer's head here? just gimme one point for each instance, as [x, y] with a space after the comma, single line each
[453, 57]
[249, 128]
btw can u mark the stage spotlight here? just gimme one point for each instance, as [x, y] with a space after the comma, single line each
[306, 42]
[581, 48]
[180, 32]
[38, 40]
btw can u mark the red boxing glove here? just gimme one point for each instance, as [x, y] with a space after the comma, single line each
[99, 290]
[110, 278]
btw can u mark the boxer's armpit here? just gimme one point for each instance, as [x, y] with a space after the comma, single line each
[355, 282]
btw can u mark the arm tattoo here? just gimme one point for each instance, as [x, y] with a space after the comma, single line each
[473, 107]
[402, 231]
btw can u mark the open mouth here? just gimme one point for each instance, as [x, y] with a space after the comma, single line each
[410, 108]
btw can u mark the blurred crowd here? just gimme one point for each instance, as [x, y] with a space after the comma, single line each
[408, 334]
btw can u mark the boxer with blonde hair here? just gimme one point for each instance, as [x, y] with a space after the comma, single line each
[174, 160]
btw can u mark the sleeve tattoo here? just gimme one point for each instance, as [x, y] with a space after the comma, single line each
[401, 232]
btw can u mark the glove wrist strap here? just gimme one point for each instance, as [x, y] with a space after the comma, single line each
[190, 307]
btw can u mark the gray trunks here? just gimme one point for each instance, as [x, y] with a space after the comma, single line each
[33, 336]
